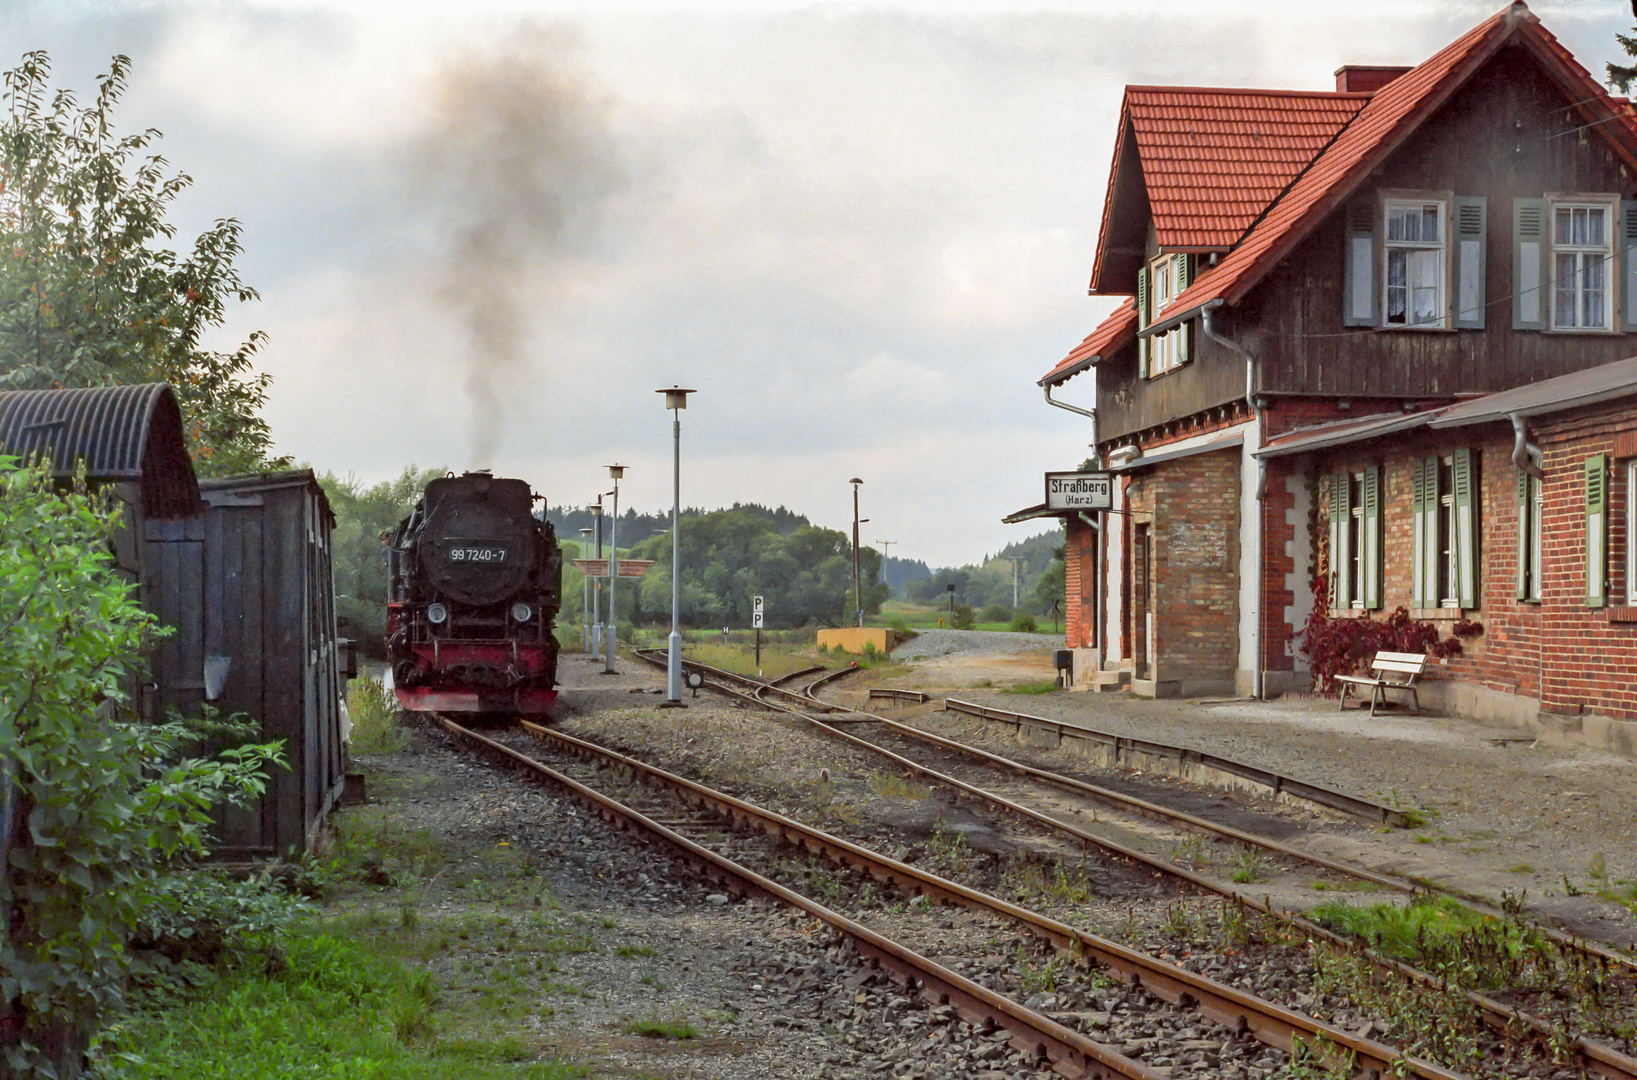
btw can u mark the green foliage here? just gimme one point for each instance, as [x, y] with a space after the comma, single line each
[1045, 687]
[106, 802]
[339, 1008]
[1025, 624]
[963, 618]
[1622, 76]
[204, 917]
[92, 296]
[362, 513]
[988, 585]
[731, 556]
[374, 713]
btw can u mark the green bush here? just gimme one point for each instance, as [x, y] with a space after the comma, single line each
[1025, 624]
[373, 710]
[109, 802]
[962, 619]
[995, 613]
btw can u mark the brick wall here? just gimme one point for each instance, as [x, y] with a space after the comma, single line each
[1590, 654]
[1079, 585]
[1192, 504]
[1573, 658]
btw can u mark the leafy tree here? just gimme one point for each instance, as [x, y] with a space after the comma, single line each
[731, 556]
[92, 295]
[1621, 77]
[362, 514]
[98, 803]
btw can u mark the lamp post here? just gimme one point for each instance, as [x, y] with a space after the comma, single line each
[597, 589]
[585, 596]
[676, 399]
[858, 596]
[616, 471]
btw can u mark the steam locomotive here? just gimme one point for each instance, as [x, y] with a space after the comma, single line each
[474, 586]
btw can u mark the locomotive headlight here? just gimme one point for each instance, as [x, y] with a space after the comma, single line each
[436, 613]
[521, 612]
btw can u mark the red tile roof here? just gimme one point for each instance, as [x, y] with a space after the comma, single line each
[1391, 115]
[1114, 331]
[1213, 160]
[1259, 140]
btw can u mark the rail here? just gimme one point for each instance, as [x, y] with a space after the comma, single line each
[1270, 1023]
[1123, 749]
[1069, 1052]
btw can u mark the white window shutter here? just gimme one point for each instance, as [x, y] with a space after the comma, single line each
[1470, 214]
[1360, 306]
[1529, 254]
[1627, 265]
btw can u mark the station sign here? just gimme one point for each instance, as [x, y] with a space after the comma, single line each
[598, 568]
[756, 612]
[1079, 491]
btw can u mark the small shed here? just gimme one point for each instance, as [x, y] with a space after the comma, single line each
[241, 570]
[249, 585]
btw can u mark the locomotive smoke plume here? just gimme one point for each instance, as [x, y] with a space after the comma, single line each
[515, 168]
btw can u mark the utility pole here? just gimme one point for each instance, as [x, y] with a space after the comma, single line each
[1017, 562]
[885, 546]
[858, 595]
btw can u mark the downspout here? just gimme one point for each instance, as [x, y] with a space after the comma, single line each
[1096, 456]
[1258, 688]
[1525, 455]
[1097, 585]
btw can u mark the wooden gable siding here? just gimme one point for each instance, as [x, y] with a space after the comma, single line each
[1128, 404]
[1472, 146]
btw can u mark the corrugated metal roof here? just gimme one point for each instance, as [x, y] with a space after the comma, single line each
[120, 433]
[1341, 432]
[1214, 159]
[1114, 331]
[1589, 387]
[1608, 382]
[1223, 441]
[1390, 116]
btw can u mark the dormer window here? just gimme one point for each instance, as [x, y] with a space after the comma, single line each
[1160, 282]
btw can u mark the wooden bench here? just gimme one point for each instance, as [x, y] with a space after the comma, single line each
[1388, 671]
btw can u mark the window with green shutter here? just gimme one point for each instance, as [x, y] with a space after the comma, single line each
[1355, 539]
[1445, 530]
[1531, 504]
[1597, 531]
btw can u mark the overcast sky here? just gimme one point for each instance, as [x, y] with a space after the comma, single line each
[485, 233]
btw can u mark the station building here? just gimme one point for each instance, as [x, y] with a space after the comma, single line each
[1374, 352]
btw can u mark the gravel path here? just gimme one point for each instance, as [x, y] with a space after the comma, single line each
[1504, 815]
[939, 643]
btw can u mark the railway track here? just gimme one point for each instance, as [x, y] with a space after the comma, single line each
[1607, 974]
[1068, 1051]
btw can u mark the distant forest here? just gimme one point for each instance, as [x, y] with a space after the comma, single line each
[730, 556]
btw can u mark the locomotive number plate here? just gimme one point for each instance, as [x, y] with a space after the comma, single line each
[473, 554]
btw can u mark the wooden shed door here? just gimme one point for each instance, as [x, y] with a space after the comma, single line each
[172, 590]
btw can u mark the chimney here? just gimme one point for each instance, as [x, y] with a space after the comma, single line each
[1365, 78]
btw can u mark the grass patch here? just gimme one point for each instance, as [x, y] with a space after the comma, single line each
[893, 786]
[654, 1027]
[777, 660]
[339, 1009]
[1044, 687]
